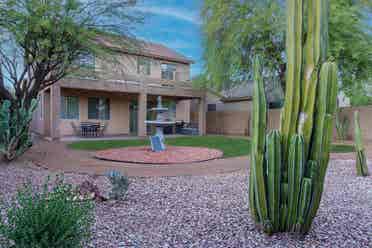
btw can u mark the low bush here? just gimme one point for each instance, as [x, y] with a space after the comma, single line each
[40, 217]
[120, 185]
[342, 126]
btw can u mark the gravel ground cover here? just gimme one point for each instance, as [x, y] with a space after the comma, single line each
[212, 211]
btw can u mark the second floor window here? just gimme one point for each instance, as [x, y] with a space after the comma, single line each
[168, 71]
[143, 66]
[70, 107]
[86, 60]
[98, 108]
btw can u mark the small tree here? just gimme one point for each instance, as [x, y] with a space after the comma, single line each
[39, 42]
[236, 30]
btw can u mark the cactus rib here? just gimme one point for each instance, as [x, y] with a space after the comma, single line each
[273, 151]
[258, 146]
[295, 175]
[289, 115]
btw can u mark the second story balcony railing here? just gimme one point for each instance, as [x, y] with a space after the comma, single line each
[180, 78]
[131, 83]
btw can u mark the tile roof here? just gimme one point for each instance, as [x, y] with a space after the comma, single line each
[147, 49]
[163, 52]
[244, 92]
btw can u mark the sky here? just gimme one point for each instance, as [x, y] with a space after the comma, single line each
[175, 24]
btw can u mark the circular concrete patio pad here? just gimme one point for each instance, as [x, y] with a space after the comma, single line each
[173, 155]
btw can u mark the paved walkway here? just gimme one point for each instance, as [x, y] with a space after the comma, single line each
[55, 156]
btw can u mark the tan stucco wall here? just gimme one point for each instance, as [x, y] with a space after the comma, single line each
[234, 118]
[365, 121]
[228, 122]
[183, 110]
[126, 64]
[231, 118]
[37, 124]
[365, 114]
[119, 113]
[41, 119]
[236, 122]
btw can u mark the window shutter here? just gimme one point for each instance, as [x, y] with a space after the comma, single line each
[93, 108]
[75, 107]
[107, 109]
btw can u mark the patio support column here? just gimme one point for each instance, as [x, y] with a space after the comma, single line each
[142, 113]
[55, 108]
[202, 116]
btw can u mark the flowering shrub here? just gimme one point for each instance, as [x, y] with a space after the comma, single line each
[43, 218]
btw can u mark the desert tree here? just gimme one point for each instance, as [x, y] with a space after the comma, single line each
[235, 31]
[41, 40]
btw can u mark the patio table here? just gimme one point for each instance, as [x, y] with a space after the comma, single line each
[89, 128]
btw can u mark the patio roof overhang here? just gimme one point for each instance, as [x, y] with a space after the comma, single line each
[127, 86]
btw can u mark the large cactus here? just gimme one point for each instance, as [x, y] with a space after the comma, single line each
[14, 129]
[361, 160]
[289, 166]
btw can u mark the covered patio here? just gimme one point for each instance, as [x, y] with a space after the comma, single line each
[116, 109]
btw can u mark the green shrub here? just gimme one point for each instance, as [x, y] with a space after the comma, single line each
[14, 128]
[120, 185]
[43, 218]
[342, 126]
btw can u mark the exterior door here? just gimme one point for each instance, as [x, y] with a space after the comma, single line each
[133, 117]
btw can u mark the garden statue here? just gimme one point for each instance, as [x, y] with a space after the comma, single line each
[157, 141]
[288, 167]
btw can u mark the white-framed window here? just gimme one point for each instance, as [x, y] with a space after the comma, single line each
[143, 66]
[70, 107]
[86, 60]
[98, 108]
[168, 71]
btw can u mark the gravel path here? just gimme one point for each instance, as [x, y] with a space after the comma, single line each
[212, 211]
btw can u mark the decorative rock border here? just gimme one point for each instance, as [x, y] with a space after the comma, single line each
[173, 155]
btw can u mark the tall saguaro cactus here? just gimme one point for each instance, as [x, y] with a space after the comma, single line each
[288, 167]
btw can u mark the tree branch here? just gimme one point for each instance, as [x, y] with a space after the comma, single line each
[4, 92]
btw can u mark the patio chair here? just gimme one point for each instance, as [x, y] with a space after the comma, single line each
[102, 129]
[77, 130]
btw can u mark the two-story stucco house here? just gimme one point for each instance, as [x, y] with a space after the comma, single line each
[120, 93]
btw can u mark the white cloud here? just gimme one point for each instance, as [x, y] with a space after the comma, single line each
[181, 14]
